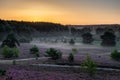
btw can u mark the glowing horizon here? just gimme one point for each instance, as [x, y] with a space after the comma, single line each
[62, 11]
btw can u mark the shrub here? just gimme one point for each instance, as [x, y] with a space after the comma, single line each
[10, 52]
[6, 52]
[108, 39]
[74, 50]
[115, 55]
[2, 72]
[34, 49]
[72, 41]
[90, 66]
[87, 38]
[15, 51]
[71, 57]
[53, 53]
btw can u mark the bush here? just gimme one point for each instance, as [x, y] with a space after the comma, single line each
[108, 39]
[2, 72]
[34, 50]
[10, 52]
[72, 41]
[115, 55]
[15, 52]
[71, 57]
[87, 38]
[90, 65]
[74, 50]
[54, 54]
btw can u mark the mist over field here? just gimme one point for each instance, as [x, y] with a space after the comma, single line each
[25, 47]
[59, 39]
[54, 32]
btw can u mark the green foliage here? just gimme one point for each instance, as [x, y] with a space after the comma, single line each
[74, 50]
[6, 51]
[71, 57]
[53, 53]
[34, 49]
[72, 41]
[10, 52]
[115, 55]
[90, 66]
[15, 51]
[2, 72]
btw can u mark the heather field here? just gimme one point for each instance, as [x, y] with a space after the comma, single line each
[61, 75]
[59, 40]
[25, 70]
[48, 73]
[97, 53]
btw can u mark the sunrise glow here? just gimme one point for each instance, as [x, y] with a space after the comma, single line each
[62, 11]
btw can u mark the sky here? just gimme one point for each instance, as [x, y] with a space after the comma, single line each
[62, 11]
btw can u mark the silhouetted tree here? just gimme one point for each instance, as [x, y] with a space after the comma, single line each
[110, 30]
[10, 41]
[108, 39]
[87, 38]
[86, 30]
[99, 30]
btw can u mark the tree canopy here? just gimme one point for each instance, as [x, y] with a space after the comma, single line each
[108, 39]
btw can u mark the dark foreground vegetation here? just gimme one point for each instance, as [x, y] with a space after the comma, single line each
[20, 72]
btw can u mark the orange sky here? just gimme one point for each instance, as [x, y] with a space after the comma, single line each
[62, 11]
